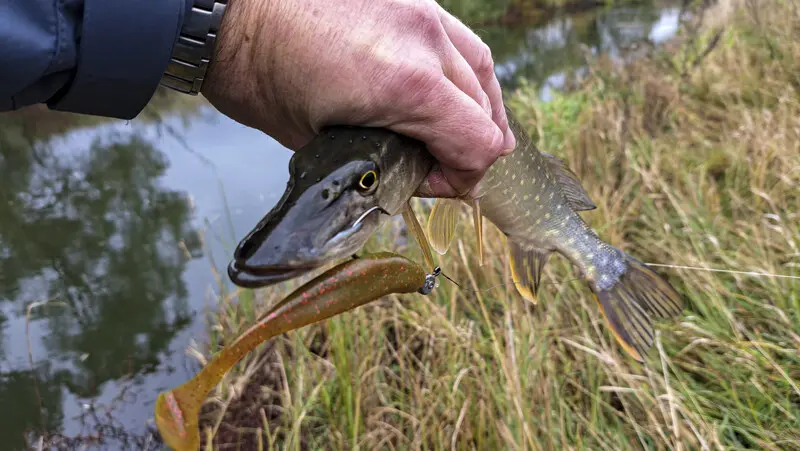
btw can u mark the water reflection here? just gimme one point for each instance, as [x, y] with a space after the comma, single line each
[17, 390]
[549, 54]
[93, 229]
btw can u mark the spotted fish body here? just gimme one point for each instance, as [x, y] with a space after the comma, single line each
[533, 198]
[524, 195]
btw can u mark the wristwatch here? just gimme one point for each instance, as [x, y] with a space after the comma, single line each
[195, 47]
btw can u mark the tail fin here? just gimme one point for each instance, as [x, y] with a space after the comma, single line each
[639, 295]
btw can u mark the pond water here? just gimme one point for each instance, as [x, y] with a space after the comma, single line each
[103, 221]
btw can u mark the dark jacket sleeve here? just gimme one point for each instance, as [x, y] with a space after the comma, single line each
[101, 57]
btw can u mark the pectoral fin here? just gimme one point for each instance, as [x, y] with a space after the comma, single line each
[526, 269]
[576, 195]
[442, 223]
[419, 235]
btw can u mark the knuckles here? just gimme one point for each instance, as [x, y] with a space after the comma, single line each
[410, 84]
[422, 16]
[426, 19]
[482, 156]
[485, 61]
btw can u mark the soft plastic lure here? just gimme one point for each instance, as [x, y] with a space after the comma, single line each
[342, 288]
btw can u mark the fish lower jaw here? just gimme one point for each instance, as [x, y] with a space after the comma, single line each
[245, 277]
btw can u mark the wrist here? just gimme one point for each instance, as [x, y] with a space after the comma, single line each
[231, 38]
[232, 80]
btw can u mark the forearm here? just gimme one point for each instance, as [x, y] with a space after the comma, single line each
[101, 57]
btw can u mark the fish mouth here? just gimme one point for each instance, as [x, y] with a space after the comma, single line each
[263, 272]
[254, 277]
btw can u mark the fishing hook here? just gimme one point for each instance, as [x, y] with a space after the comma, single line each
[364, 215]
[430, 281]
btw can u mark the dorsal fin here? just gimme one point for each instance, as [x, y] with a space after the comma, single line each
[576, 195]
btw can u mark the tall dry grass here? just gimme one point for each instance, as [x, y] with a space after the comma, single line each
[690, 164]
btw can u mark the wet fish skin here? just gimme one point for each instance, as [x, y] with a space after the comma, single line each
[324, 215]
[524, 197]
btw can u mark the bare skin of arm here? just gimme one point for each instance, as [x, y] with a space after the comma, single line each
[342, 288]
[291, 67]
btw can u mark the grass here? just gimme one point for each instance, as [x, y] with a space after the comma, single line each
[690, 164]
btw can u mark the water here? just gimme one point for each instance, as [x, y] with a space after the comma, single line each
[103, 222]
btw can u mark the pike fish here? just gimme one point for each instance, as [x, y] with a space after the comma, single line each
[347, 180]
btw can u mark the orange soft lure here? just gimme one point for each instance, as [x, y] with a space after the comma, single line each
[344, 287]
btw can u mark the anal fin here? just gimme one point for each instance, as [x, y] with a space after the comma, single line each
[527, 264]
[442, 223]
[576, 195]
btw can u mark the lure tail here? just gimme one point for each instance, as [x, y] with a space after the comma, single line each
[341, 288]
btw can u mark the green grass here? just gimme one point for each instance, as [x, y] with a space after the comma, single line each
[700, 169]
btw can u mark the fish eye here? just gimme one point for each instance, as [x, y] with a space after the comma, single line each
[368, 180]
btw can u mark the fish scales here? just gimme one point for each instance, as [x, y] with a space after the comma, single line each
[523, 199]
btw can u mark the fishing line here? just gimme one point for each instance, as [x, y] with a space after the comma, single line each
[693, 268]
[502, 284]
[729, 271]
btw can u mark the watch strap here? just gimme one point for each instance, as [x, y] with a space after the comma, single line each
[194, 47]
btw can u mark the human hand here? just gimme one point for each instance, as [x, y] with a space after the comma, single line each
[291, 67]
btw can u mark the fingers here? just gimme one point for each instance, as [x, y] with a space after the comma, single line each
[457, 131]
[435, 185]
[479, 58]
[464, 151]
[456, 68]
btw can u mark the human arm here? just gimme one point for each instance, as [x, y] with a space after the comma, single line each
[291, 67]
[101, 57]
[286, 67]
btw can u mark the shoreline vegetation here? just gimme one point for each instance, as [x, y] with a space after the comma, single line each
[692, 153]
[510, 13]
[38, 123]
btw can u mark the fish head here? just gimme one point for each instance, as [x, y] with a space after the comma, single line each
[342, 186]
